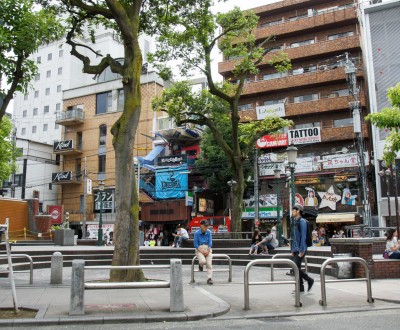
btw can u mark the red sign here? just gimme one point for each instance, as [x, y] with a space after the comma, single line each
[299, 200]
[56, 214]
[273, 141]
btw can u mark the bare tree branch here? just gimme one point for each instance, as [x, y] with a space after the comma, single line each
[94, 9]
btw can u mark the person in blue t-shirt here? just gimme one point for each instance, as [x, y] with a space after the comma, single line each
[299, 246]
[203, 244]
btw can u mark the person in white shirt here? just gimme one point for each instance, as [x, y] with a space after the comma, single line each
[180, 236]
[393, 244]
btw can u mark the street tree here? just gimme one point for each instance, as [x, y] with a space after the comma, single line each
[128, 18]
[389, 118]
[22, 30]
[8, 152]
[190, 43]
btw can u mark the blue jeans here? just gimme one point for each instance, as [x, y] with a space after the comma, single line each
[178, 240]
[395, 255]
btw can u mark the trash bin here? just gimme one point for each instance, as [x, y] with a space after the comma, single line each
[344, 269]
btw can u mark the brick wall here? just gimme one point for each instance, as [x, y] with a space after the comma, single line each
[387, 268]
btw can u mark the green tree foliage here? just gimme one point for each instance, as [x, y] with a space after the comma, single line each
[389, 118]
[190, 42]
[7, 149]
[22, 30]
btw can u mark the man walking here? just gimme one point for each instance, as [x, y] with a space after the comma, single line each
[299, 246]
[203, 244]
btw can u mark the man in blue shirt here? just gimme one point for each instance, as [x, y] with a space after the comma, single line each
[299, 246]
[203, 244]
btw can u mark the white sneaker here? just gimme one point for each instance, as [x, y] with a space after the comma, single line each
[301, 292]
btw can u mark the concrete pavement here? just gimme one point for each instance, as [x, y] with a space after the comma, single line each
[222, 300]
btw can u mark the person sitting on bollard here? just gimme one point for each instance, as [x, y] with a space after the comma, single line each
[203, 243]
[180, 236]
[256, 238]
[393, 244]
[268, 243]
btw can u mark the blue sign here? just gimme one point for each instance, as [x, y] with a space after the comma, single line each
[171, 182]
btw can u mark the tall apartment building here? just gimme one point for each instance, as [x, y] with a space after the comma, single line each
[381, 24]
[314, 94]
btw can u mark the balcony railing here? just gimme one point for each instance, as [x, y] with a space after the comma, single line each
[70, 117]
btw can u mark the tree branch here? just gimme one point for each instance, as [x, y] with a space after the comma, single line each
[94, 9]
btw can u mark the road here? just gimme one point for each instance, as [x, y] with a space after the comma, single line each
[381, 319]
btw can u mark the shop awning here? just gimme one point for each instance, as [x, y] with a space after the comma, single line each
[336, 217]
[149, 158]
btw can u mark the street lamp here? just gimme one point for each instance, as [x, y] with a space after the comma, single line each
[100, 230]
[277, 173]
[292, 157]
[231, 183]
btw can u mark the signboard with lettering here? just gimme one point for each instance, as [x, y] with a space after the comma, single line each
[268, 169]
[273, 110]
[307, 180]
[304, 135]
[108, 200]
[61, 176]
[56, 212]
[342, 160]
[308, 164]
[264, 212]
[63, 145]
[263, 200]
[171, 182]
[171, 160]
[273, 141]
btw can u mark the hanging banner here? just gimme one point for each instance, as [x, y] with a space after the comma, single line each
[304, 135]
[171, 182]
[272, 141]
[273, 110]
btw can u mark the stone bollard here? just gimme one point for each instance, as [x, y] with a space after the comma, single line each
[56, 268]
[176, 287]
[77, 303]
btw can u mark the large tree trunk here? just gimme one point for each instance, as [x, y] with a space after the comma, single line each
[237, 197]
[127, 202]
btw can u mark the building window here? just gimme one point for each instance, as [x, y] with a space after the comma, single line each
[305, 98]
[49, 56]
[271, 102]
[25, 97]
[244, 107]
[37, 77]
[274, 75]
[102, 163]
[102, 135]
[61, 53]
[343, 122]
[45, 127]
[58, 88]
[58, 106]
[308, 125]
[38, 59]
[59, 71]
[341, 35]
[23, 131]
[341, 92]
[47, 91]
[24, 113]
[121, 99]
[48, 74]
[103, 102]
[33, 129]
[36, 94]
[46, 109]
[35, 111]
[302, 43]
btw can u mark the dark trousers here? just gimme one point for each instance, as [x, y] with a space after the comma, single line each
[303, 275]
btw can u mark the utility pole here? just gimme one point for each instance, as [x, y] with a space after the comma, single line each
[256, 195]
[350, 70]
[84, 200]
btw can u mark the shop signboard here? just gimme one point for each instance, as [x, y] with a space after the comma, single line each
[342, 160]
[268, 169]
[305, 135]
[108, 201]
[263, 200]
[264, 212]
[308, 164]
[308, 180]
[63, 145]
[93, 230]
[171, 182]
[61, 176]
[56, 212]
[273, 141]
[273, 110]
[206, 205]
[171, 160]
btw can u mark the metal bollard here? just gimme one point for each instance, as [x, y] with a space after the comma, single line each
[56, 268]
[176, 286]
[77, 303]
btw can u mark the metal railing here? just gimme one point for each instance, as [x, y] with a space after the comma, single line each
[30, 261]
[350, 259]
[285, 256]
[74, 114]
[290, 263]
[215, 257]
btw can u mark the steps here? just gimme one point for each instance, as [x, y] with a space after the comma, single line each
[156, 255]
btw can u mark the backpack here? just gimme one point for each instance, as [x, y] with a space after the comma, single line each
[309, 231]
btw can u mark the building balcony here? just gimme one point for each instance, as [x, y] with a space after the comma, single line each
[341, 133]
[326, 48]
[290, 82]
[302, 25]
[324, 104]
[70, 117]
[67, 177]
[67, 147]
